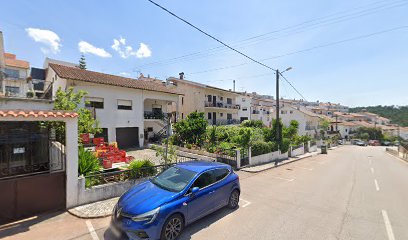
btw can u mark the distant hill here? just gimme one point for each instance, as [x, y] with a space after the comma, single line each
[397, 114]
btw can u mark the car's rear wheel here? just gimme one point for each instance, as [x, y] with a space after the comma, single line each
[233, 199]
[172, 228]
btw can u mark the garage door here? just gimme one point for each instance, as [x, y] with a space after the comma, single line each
[127, 137]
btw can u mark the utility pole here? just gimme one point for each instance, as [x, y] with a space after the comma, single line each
[234, 85]
[167, 139]
[278, 135]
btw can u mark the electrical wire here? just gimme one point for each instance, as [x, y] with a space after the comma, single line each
[292, 86]
[210, 36]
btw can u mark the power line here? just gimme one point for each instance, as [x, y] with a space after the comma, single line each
[313, 24]
[293, 87]
[308, 49]
[209, 35]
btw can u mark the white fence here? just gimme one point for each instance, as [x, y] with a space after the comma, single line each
[313, 148]
[268, 157]
[297, 151]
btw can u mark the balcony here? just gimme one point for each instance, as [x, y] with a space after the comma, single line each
[255, 112]
[221, 122]
[154, 115]
[222, 105]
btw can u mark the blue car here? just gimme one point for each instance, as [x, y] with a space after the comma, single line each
[161, 207]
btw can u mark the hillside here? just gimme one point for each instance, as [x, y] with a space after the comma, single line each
[397, 114]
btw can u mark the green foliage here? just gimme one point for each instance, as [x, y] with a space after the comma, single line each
[252, 124]
[141, 168]
[323, 125]
[397, 114]
[261, 147]
[291, 131]
[285, 145]
[367, 133]
[70, 101]
[192, 129]
[82, 62]
[301, 140]
[171, 153]
[88, 163]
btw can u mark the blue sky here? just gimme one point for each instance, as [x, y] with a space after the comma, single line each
[369, 70]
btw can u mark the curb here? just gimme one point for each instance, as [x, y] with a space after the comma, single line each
[79, 214]
[282, 164]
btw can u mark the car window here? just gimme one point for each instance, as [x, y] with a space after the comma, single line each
[220, 173]
[204, 180]
[174, 179]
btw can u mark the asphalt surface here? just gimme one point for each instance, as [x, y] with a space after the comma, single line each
[351, 193]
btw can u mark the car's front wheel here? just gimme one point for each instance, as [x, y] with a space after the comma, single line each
[172, 228]
[233, 199]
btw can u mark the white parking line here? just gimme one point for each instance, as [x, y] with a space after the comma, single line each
[388, 226]
[281, 178]
[91, 230]
[246, 202]
[372, 170]
[376, 185]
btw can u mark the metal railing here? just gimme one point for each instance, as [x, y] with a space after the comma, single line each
[222, 105]
[221, 122]
[153, 115]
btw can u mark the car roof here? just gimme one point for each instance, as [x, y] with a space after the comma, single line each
[201, 166]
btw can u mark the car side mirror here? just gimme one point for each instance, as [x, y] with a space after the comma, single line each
[194, 191]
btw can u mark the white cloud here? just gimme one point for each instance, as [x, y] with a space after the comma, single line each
[47, 37]
[85, 47]
[125, 51]
[125, 74]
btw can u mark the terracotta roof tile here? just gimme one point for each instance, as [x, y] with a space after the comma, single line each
[38, 113]
[74, 73]
[13, 62]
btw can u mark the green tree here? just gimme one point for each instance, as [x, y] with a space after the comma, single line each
[252, 123]
[368, 133]
[192, 129]
[82, 62]
[70, 101]
[323, 126]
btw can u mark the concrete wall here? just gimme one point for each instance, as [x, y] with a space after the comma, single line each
[245, 103]
[102, 192]
[268, 157]
[313, 148]
[26, 103]
[297, 152]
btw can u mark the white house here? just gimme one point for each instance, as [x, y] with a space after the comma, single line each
[244, 101]
[308, 121]
[128, 110]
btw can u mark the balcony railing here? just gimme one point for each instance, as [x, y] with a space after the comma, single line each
[221, 122]
[222, 105]
[153, 115]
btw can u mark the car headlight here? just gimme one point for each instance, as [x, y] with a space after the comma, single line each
[148, 216]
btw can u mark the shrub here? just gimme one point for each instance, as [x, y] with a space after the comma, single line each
[285, 145]
[260, 147]
[141, 168]
[87, 162]
[252, 123]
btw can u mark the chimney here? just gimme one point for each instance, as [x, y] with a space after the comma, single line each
[2, 61]
[181, 75]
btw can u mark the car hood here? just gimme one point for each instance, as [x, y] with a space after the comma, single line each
[144, 197]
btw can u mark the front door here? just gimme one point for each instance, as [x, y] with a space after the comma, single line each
[201, 204]
[214, 118]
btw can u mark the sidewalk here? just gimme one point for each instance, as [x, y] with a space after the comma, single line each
[266, 166]
[95, 210]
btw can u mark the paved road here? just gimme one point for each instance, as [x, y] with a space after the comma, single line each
[351, 193]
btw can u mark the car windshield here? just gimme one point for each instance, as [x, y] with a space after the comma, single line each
[174, 179]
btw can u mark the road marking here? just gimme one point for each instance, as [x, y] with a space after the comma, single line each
[376, 185]
[281, 178]
[372, 170]
[91, 230]
[388, 226]
[310, 169]
[246, 202]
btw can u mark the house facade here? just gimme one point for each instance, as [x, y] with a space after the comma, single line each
[219, 106]
[129, 111]
[309, 123]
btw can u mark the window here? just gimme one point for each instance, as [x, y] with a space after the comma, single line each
[229, 116]
[205, 179]
[12, 73]
[150, 129]
[284, 111]
[290, 112]
[209, 115]
[221, 98]
[229, 100]
[220, 173]
[243, 99]
[244, 109]
[94, 102]
[209, 98]
[125, 104]
[174, 179]
[182, 100]
[12, 90]
[221, 114]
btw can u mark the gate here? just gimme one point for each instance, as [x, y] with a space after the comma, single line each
[244, 157]
[228, 156]
[32, 170]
